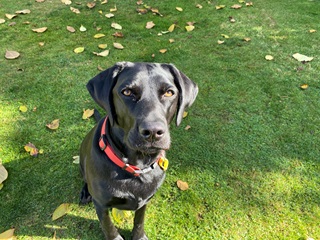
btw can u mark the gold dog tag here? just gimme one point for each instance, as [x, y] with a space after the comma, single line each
[163, 163]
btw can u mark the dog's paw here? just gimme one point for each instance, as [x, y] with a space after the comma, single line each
[85, 196]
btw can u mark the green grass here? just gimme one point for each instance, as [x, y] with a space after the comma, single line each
[251, 157]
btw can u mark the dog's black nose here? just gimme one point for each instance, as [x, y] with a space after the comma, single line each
[152, 131]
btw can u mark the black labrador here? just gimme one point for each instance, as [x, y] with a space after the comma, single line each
[122, 158]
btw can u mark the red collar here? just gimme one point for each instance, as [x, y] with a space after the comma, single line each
[134, 170]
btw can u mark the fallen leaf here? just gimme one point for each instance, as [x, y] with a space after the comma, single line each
[1, 186]
[199, 6]
[139, 2]
[225, 36]
[241, 1]
[187, 127]
[91, 5]
[116, 26]
[156, 11]
[179, 9]
[118, 46]
[103, 46]
[104, 2]
[150, 25]
[120, 215]
[71, 29]
[99, 35]
[23, 109]
[247, 39]
[10, 16]
[113, 9]
[190, 23]
[220, 7]
[76, 159]
[11, 55]
[3, 174]
[118, 34]
[249, 4]
[102, 54]
[53, 125]
[24, 11]
[302, 58]
[30, 148]
[171, 40]
[78, 50]
[87, 113]
[109, 15]
[189, 28]
[142, 10]
[220, 42]
[82, 28]
[75, 10]
[236, 6]
[66, 2]
[163, 50]
[232, 20]
[310, 31]
[2, 20]
[304, 86]
[269, 57]
[182, 185]
[171, 28]
[41, 44]
[40, 30]
[60, 211]
[8, 235]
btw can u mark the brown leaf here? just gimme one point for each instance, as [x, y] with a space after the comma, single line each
[156, 11]
[139, 2]
[11, 54]
[150, 25]
[40, 30]
[75, 10]
[71, 29]
[53, 125]
[142, 10]
[182, 185]
[236, 6]
[118, 34]
[91, 4]
[187, 127]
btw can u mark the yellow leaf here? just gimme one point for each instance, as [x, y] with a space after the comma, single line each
[116, 26]
[302, 58]
[179, 9]
[304, 86]
[76, 159]
[225, 36]
[113, 9]
[118, 46]
[99, 35]
[53, 125]
[40, 30]
[10, 16]
[82, 28]
[23, 108]
[2, 20]
[102, 54]
[220, 42]
[189, 28]
[87, 113]
[269, 57]
[199, 6]
[171, 28]
[60, 211]
[8, 235]
[312, 31]
[24, 11]
[79, 50]
[3, 174]
[30, 148]
[249, 4]
[163, 50]
[71, 29]
[185, 114]
[163, 163]
[236, 6]
[150, 25]
[103, 46]
[220, 7]
[120, 215]
[182, 185]
[1, 186]
[247, 39]
[171, 40]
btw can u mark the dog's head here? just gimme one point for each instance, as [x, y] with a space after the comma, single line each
[142, 99]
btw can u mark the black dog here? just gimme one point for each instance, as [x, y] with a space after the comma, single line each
[123, 157]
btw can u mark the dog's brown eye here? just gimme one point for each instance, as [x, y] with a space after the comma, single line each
[169, 93]
[127, 92]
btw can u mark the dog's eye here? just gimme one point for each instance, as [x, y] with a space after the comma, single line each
[127, 92]
[169, 93]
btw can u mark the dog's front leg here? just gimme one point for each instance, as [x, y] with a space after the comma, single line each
[109, 230]
[138, 225]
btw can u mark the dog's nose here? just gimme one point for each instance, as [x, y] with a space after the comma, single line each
[152, 131]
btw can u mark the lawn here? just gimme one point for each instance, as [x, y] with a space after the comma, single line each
[250, 156]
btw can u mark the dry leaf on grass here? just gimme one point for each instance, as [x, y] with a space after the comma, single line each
[236, 6]
[150, 25]
[171, 28]
[11, 55]
[10, 16]
[30, 148]
[60, 211]
[2, 20]
[8, 235]
[71, 29]
[78, 50]
[302, 58]
[304, 86]
[189, 28]
[102, 54]
[99, 35]
[109, 15]
[75, 10]
[116, 26]
[40, 30]
[163, 50]
[269, 57]
[179, 9]
[24, 11]
[23, 108]
[3, 174]
[82, 28]
[118, 46]
[87, 113]
[182, 185]
[53, 125]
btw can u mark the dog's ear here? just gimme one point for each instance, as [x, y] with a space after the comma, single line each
[188, 91]
[100, 88]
